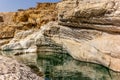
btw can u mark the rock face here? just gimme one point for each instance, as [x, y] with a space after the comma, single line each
[82, 44]
[7, 31]
[1, 19]
[40, 15]
[94, 24]
[22, 20]
[12, 70]
[87, 29]
[96, 14]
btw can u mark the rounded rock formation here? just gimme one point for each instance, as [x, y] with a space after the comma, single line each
[12, 70]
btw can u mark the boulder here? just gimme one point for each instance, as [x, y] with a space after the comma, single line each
[12, 70]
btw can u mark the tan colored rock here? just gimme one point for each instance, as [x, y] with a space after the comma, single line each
[82, 44]
[7, 17]
[1, 19]
[26, 19]
[96, 14]
[102, 50]
[88, 30]
[6, 32]
[3, 42]
[40, 15]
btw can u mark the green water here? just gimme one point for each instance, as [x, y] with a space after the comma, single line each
[61, 66]
[64, 67]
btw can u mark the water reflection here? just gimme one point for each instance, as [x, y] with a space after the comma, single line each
[21, 56]
[64, 67]
[61, 66]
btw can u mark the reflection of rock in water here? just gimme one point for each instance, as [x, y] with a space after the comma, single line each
[58, 65]
[26, 58]
[65, 68]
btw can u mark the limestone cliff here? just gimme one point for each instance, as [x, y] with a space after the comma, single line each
[37, 16]
[32, 18]
[87, 29]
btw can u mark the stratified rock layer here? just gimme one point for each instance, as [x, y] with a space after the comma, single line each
[87, 29]
[94, 24]
[32, 18]
[82, 44]
[96, 14]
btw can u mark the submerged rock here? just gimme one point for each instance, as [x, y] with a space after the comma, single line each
[12, 70]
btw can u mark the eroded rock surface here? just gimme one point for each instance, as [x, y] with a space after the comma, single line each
[96, 14]
[13, 22]
[12, 70]
[37, 16]
[82, 44]
[87, 29]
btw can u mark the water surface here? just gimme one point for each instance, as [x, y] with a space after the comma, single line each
[61, 66]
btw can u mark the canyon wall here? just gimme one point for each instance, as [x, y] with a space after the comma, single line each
[87, 29]
[22, 20]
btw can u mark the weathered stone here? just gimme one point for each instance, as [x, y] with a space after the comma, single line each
[1, 19]
[40, 15]
[97, 14]
[3, 42]
[12, 70]
[82, 44]
[7, 17]
[87, 29]
[6, 32]
[26, 19]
